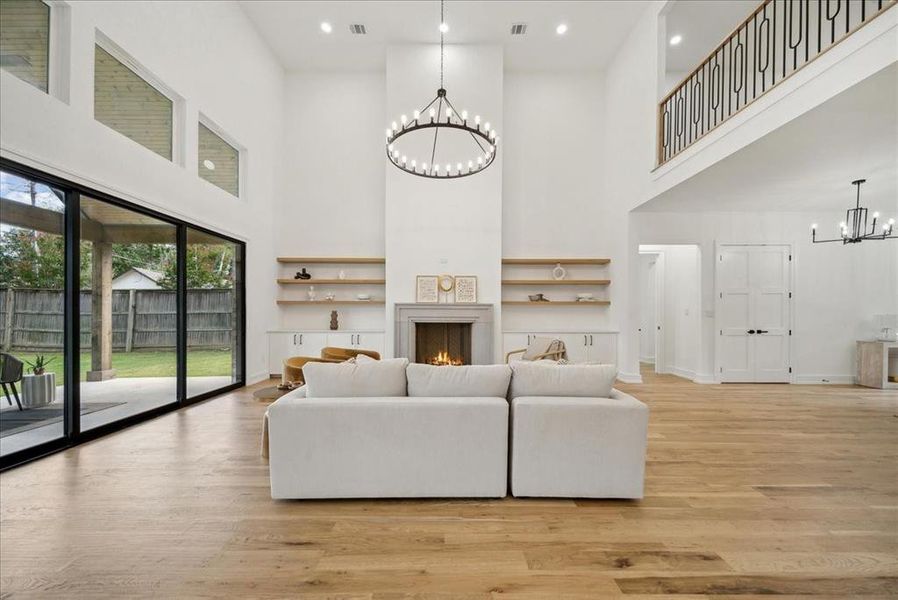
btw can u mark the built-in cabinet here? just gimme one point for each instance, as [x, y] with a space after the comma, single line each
[587, 346]
[283, 344]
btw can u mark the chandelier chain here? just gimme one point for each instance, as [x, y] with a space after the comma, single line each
[442, 21]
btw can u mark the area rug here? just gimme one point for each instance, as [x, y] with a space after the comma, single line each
[16, 421]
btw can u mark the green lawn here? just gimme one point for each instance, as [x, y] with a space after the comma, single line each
[146, 364]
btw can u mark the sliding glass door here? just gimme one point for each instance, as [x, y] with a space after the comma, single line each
[214, 312]
[32, 286]
[109, 313]
[128, 313]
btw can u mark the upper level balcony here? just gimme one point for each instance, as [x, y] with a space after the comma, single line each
[775, 41]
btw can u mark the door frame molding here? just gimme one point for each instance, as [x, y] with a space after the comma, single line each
[718, 246]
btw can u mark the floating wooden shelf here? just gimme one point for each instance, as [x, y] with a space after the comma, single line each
[319, 302]
[557, 303]
[555, 261]
[538, 282]
[291, 281]
[332, 260]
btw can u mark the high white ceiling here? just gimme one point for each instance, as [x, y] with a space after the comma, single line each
[595, 30]
[703, 25]
[808, 164]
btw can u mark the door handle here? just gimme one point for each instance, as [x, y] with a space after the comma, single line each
[751, 331]
[590, 339]
[763, 331]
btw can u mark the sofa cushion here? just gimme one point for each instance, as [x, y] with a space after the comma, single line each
[356, 380]
[462, 381]
[546, 378]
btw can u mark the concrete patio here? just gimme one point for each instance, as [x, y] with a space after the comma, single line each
[137, 395]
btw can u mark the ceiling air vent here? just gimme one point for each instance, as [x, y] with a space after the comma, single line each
[357, 29]
[519, 29]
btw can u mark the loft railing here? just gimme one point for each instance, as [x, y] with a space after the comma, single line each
[775, 41]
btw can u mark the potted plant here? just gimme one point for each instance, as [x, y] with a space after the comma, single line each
[38, 388]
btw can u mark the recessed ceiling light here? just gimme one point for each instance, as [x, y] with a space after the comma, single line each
[676, 39]
[209, 164]
[561, 29]
[326, 27]
[444, 27]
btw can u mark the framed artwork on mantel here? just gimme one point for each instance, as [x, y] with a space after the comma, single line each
[466, 289]
[427, 289]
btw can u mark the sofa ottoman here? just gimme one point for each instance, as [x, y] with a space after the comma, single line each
[577, 447]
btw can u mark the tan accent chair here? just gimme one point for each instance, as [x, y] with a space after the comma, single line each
[541, 348]
[293, 366]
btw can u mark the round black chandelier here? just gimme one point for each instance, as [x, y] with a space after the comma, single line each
[439, 114]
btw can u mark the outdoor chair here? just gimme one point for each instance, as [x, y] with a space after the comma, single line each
[10, 373]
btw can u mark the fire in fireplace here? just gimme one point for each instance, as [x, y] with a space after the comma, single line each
[443, 343]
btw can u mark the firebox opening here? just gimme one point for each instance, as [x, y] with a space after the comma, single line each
[443, 343]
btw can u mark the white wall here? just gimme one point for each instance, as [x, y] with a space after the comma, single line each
[553, 197]
[210, 55]
[332, 203]
[450, 226]
[837, 289]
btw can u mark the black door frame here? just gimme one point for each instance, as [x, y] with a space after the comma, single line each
[73, 435]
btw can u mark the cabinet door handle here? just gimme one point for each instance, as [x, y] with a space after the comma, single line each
[294, 339]
[590, 339]
[528, 339]
[585, 343]
[358, 339]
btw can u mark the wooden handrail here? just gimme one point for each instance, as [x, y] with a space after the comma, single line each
[758, 56]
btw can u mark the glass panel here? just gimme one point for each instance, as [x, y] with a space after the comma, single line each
[128, 313]
[25, 40]
[32, 284]
[130, 105]
[219, 162]
[214, 347]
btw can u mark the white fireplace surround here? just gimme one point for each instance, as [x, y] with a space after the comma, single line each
[480, 316]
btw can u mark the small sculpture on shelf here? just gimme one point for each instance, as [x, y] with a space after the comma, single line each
[559, 272]
[311, 293]
[341, 275]
[303, 274]
[334, 324]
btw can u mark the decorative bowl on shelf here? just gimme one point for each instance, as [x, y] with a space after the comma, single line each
[584, 296]
[363, 296]
[538, 298]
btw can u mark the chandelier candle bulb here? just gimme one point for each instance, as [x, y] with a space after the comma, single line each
[433, 112]
[416, 114]
[464, 115]
[403, 160]
[403, 119]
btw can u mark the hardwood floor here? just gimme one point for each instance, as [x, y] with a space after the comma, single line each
[751, 490]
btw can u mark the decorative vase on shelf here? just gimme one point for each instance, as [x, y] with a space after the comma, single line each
[334, 324]
[303, 274]
[341, 275]
[558, 272]
[311, 293]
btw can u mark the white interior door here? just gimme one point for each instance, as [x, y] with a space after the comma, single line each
[647, 308]
[753, 309]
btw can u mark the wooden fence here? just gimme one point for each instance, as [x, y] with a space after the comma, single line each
[141, 319]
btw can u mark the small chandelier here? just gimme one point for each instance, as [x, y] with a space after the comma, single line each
[854, 228]
[439, 115]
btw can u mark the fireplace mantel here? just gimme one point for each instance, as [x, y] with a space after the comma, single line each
[480, 316]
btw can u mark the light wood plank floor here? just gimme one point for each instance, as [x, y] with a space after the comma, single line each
[751, 490]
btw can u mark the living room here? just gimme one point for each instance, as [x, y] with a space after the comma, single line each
[613, 320]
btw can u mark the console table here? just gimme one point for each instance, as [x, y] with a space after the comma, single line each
[877, 364]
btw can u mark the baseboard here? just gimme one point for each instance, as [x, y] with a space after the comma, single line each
[257, 377]
[704, 378]
[647, 361]
[629, 377]
[824, 379]
[684, 373]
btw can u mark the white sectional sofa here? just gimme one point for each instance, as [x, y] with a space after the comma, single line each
[338, 444]
[387, 429]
